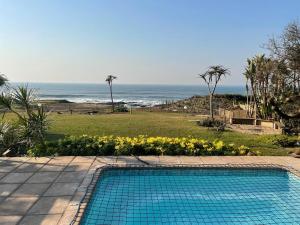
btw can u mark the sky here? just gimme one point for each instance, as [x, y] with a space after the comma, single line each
[140, 41]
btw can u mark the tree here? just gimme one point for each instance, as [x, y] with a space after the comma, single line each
[286, 48]
[212, 77]
[109, 80]
[3, 80]
[259, 73]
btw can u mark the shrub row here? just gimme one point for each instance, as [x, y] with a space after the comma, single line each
[141, 145]
[282, 140]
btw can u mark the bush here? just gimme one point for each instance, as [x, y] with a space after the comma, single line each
[282, 140]
[121, 108]
[212, 123]
[31, 121]
[141, 145]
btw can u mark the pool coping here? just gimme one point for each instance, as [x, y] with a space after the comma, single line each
[83, 203]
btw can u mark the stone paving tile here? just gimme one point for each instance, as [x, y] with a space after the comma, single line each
[8, 166]
[15, 159]
[106, 159]
[30, 190]
[212, 160]
[2, 175]
[9, 220]
[15, 178]
[169, 160]
[40, 219]
[61, 160]
[84, 159]
[67, 217]
[50, 205]
[189, 160]
[16, 206]
[51, 167]
[61, 189]
[41, 160]
[151, 160]
[43, 177]
[28, 167]
[71, 177]
[234, 160]
[7, 189]
[125, 160]
[75, 166]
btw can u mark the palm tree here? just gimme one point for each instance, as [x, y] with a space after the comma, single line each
[3, 80]
[212, 77]
[109, 80]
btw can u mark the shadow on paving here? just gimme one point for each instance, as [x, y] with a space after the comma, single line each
[39, 190]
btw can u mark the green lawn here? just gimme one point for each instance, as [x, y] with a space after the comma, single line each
[151, 124]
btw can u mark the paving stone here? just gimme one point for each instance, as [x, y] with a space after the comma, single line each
[2, 175]
[40, 220]
[28, 167]
[151, 160]
[60, 189]
[169, 160]
[8, 166]
[41, 160]
[30, 190]
[129, 160]
[67, 217]
[106, 159]
[71, 177]
[7, 189]
[43, 177]
[212, 160]
[50, 205]
[9, 220]
[15, 178]
[84, 159]
[16, 206]
[61, 160]
[78, 167]
[190, 160]
[50, 167]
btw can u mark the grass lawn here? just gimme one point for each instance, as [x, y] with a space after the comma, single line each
[151, 124]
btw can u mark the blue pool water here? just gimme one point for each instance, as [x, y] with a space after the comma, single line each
[194, 196]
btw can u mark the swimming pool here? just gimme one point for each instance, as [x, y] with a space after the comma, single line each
[134, 196]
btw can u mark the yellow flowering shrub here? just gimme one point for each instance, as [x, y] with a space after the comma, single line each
[140, 145]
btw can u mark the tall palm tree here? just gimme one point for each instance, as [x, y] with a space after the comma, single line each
[109, 80]
[212, 77]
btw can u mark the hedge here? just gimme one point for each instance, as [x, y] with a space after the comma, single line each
[142, 145]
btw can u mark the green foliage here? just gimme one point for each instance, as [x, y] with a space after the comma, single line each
[212, 123]
[31, 125]
[281, 140]
[140, 145]
[121, 108]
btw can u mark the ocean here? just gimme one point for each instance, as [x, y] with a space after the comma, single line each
[144, 95]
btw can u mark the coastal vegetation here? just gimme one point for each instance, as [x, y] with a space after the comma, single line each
[211, 78]
[109, 79]
[140, 145]
[273, 82]
[29, 125]
[155, 124]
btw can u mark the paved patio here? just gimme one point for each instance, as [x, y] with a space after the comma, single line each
[49, 190]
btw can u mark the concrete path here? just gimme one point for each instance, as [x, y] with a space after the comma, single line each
[48, 190]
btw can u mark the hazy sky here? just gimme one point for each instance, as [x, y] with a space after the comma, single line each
[140, 41]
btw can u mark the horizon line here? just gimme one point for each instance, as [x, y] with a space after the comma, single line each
[152, 84]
